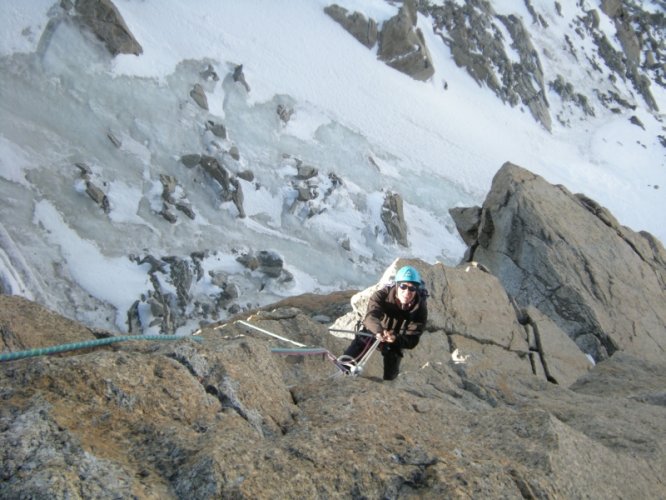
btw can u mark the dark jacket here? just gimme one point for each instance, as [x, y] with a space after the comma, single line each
[384, 313]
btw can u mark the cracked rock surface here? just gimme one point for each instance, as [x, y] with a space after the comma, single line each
[599, 281]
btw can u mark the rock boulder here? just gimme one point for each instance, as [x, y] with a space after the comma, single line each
[104, 20]
[402, 45]
[600, 282]
[364, 30]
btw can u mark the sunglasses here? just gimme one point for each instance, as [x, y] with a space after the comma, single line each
[404, 286]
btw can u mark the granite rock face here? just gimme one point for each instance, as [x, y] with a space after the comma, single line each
[600, 282]
[364, 30]
[401, 44]
[104, 20]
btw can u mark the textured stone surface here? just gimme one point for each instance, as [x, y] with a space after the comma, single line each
[393, 217]
[402, 46]
[563, 361]
[401, 43]
[228, 418]
[25, 325]
[601, 283]
[364, 30]
[104, 20]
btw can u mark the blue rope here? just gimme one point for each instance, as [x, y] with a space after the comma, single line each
[42, 351]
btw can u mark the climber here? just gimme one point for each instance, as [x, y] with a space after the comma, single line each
[396, 316]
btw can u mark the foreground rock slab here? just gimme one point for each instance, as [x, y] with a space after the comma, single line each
[226, 417]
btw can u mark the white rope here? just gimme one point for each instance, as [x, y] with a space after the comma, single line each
[245, 323]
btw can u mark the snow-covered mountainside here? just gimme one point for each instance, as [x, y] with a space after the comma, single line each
[240, 152]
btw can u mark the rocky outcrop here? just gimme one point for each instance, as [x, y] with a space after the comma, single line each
[96, 193]
[511, 65]
[174, 196]
[401, 44]
[198, 95]
[267, 262]
[472, 33]
[182, 292]
[599, 281]
[104, 20]
[312, 189]
[239, 77]
[229, 186]
[364, 30]
[638, 33]
[567, 93]
[475, 35]
[394, 219]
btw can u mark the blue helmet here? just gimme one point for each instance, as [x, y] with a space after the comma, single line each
[408, 273]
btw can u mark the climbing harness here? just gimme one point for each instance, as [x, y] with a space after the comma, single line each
[42, 351]
[345, 364]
